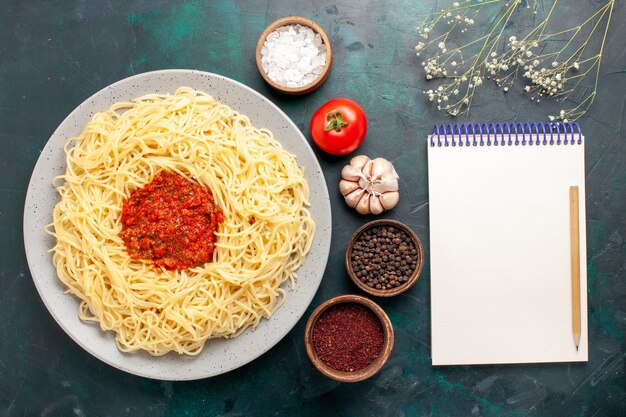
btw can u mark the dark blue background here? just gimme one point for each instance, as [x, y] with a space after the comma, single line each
[54, 54]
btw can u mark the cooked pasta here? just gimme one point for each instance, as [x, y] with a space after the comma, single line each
[265, 235]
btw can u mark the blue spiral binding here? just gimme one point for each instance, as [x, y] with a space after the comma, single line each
[558, 135]
[528, 128]
[506, 134]
[545, 141]
[461, 142]
[543, 130]
[473, 135]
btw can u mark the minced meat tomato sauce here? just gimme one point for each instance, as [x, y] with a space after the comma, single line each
[171, 222]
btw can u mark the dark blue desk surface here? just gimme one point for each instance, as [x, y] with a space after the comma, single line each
[55, 54]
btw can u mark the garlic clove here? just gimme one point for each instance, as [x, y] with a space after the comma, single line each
[359, 161]
[364, 183]
[386, 184]
[382, 168]
[351, 173]
[394, 173]
[347, 186]
[363, 206]
[366, 179]
[354, 197]
[375, 205]
[389, 200]
[367, 168]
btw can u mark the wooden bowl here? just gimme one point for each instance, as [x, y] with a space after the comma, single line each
[392, 291]
[295, 20]
[373, 367]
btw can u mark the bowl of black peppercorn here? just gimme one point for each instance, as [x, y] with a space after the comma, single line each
[384, 258]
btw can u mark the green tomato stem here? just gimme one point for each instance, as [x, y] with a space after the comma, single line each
[335, 121]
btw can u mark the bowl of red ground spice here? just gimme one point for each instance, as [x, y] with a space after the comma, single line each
[384, 258]
[348, 338]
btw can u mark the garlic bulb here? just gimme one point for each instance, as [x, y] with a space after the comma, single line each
[369, 185]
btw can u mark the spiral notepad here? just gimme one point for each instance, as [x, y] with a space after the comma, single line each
[500, 254]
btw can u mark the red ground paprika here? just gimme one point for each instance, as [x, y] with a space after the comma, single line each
[348, 337]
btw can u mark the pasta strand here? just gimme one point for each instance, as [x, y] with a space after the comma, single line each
[263, 240]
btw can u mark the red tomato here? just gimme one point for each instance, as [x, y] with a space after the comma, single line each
[339, 126]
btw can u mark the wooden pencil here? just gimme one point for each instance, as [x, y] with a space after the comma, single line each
[575, 252]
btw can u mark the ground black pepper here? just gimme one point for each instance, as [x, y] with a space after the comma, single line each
[384, 257]
[348, 337]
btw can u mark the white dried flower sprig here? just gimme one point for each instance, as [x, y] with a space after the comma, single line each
[547, 72]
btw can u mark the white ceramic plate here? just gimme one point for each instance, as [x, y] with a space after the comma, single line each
[220, 355]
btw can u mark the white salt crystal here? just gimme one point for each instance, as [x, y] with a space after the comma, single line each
[293, 55]
[318, 60]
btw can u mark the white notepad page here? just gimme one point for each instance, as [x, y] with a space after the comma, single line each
[500, 253]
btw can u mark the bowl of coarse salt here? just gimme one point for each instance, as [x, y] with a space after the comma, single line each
[294, 55]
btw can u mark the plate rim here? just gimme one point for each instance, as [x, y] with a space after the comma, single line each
[26, 221]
